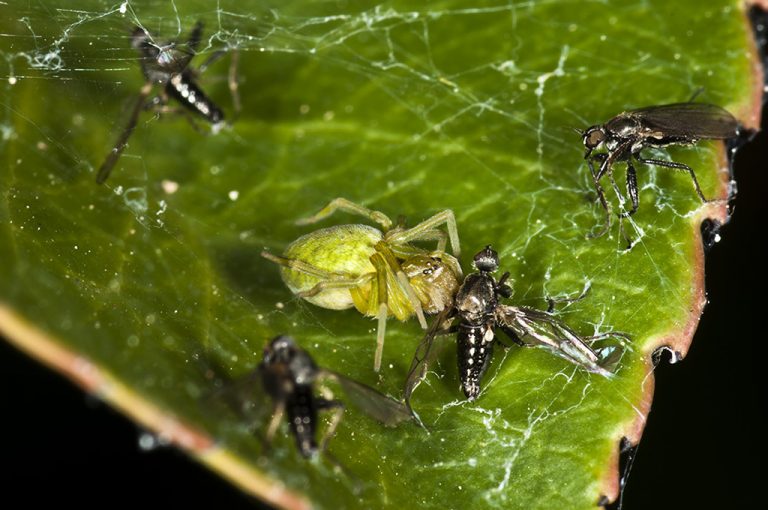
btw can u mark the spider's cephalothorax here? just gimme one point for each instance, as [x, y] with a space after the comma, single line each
[378, 272]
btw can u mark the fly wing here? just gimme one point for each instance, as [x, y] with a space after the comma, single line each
[535, 328]
[380, 407]
[425, 353]
[244, 397]
[691, 120]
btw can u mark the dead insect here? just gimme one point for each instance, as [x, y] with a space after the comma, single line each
[288, 376]
[480, 314]
[625, 135]
[380, 273]
[168, 66]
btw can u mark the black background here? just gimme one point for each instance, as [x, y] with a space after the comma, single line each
[701, 441]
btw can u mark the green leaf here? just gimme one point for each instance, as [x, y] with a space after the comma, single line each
[142, 288]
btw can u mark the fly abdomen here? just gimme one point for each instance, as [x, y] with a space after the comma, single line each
[302, 414]
[182, 87]
[475, 348]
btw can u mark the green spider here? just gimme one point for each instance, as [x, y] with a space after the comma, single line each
[379, 272]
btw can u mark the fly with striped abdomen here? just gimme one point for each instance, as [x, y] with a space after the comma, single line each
[168, 65]
[477, 315]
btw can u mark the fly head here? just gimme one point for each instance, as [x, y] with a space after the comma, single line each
[284, 357]
[592, 138]
[486, 260]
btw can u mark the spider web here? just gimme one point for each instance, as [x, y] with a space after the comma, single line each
[383, 104]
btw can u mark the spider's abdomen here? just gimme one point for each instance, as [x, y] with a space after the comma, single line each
[344, 249]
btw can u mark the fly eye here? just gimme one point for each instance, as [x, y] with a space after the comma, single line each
[594, 138]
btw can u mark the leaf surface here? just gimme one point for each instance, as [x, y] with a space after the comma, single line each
[142, 288]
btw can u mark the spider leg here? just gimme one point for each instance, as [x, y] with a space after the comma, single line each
[383, 292]
[393, 265]
[329, 280]
[342, 204]
[425, 228]
[122, 141]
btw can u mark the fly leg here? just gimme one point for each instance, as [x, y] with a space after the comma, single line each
[600, 157]
[337, 407]
[632, 191]
[552, 302]
[676, 166]
[106, 168]
[232, 77]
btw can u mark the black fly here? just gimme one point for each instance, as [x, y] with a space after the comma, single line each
[168, 66]
[480, 315]
[287, 376]
[625, 135]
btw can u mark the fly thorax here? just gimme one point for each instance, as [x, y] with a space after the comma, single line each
[623, 126]
[476, 299]
[302, 369]
[611, 144]
[434, 280]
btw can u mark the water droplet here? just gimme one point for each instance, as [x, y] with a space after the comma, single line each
[170, 187]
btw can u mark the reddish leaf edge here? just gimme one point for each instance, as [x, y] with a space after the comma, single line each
[679, 340]
[100, 383]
